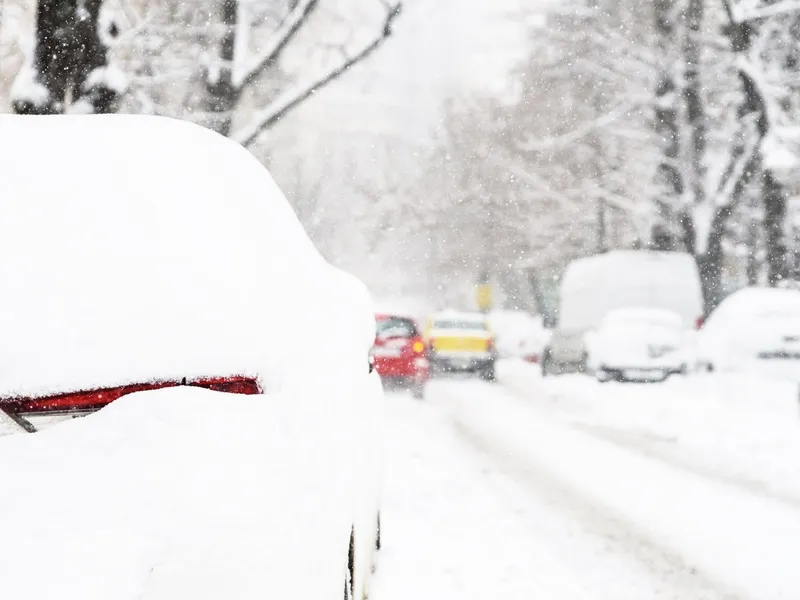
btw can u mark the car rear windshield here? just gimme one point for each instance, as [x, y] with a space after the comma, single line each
[397, 326]
[466, 325]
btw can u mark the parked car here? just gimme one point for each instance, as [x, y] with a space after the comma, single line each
[153, 270]
[754, 329]
[517, 334]
[400, 354]
[594, 286]
[638, 344]
[461, 342]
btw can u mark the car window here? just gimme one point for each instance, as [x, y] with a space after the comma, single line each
[396, 327]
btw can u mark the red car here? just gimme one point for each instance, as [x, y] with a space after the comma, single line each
[400, 354]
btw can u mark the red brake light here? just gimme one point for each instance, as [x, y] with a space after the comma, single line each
[96, 399]
[698, 324]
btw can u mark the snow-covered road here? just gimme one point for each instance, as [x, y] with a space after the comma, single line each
[567, 489]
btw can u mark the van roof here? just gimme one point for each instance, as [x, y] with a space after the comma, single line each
[595, 285]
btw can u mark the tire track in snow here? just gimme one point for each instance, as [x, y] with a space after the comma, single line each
[650, 445]
[447, 533]
[738, 537]
[640, 443]
[669, 575]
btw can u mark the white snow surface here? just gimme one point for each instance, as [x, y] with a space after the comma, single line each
[736, 536]
[179, 257]
[542, 488]
[180, 493]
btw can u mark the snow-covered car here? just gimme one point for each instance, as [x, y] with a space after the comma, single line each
[517, 334]
[637, 344]
[154, 268]
[754, 329]
[595, 285]
[461, 342]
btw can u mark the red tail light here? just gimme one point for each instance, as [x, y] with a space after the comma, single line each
[98, 398]
[490, 345]
[699, 322]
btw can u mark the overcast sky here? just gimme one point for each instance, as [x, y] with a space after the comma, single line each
[439, 48]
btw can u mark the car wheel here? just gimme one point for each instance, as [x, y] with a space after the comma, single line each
[418, 390]
[602, 375]
[546, 363]
[488, 374]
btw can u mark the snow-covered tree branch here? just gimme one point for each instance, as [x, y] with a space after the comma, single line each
[294, 97]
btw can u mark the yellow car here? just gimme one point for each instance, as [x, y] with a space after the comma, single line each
[460, 342]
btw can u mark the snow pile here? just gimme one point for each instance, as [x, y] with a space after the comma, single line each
[153, 249]
[148, 249]
[179, 493]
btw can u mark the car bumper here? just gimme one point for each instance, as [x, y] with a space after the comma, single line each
[406, 368]
[650, 373]
[462, 363]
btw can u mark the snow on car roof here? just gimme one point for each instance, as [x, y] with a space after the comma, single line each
[140, 248]
[455, 315]
[761, 299]
[643, 314]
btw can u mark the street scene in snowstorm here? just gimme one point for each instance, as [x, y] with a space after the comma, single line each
[399, 299]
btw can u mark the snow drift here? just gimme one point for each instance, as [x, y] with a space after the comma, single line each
[150, 248]
[139, 249]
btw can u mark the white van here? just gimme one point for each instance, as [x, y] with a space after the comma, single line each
[596, 285]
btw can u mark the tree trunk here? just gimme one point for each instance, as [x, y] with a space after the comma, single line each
[91, 55]
[692, 93]
[752, 252]
[666, 120]
[68, 50]
[774, 216]
[221, 93]
[744, 164]
[710, 263]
